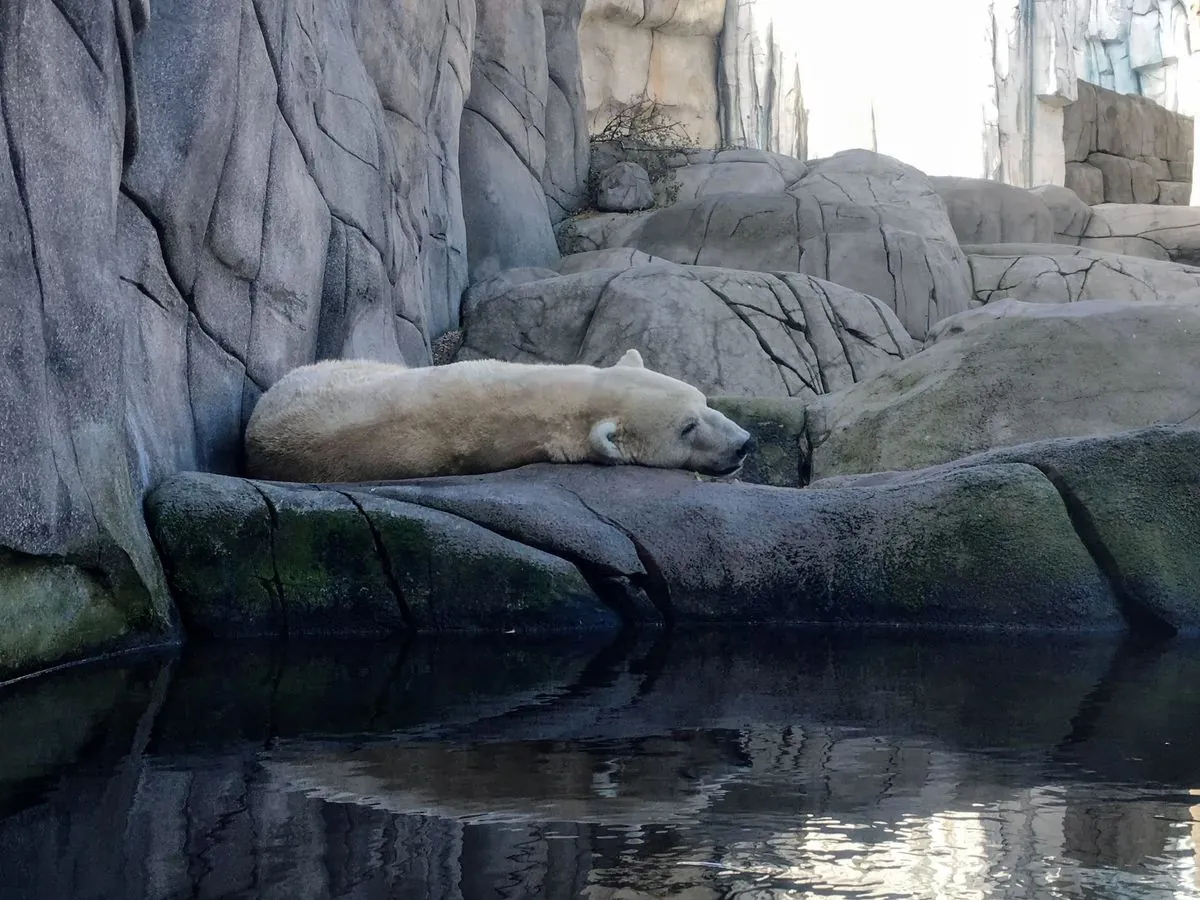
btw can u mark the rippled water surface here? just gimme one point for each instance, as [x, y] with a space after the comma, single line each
[694, 766]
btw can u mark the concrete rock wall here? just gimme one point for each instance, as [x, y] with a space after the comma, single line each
[1127, 149]
[197, 197]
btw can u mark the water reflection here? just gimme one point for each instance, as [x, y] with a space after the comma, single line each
[700, 766]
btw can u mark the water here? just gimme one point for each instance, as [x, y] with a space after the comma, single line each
[695, 766]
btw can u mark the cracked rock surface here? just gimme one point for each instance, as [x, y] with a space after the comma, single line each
[726, 331]
[860, 219]
[1012, 372]
[198, 196]
[986, 546]
[1053, 273]
[1094, 533]
[1157, 232]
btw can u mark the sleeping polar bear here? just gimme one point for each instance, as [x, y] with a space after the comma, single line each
[356, 420]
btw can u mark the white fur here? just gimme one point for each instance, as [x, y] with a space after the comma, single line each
[356, 420]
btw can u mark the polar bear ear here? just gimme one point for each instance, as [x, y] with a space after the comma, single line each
[604, 440]
[630, 358]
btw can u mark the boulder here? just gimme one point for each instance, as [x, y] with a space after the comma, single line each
[1085, 180]
[1132, 497]
[990, 546]
[1125, 180]
[1054, 273]
[859, 219]
[725, 331]
[624, 187]
[683, 174]
[250, 558]
[1070, 215]
[1012, 372]
[990, 212]
[1174, 193]
[1150, 230]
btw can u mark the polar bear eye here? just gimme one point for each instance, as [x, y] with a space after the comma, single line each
[688, 429]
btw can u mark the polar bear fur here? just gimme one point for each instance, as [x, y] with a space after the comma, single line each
[356, 420]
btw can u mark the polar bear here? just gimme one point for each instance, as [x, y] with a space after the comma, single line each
[358, 420]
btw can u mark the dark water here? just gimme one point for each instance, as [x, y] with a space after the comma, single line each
[697, 766]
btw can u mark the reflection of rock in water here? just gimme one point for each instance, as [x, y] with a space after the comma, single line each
[652, 780]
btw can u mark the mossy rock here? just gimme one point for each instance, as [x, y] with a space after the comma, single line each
[254, 558]
[777, 424]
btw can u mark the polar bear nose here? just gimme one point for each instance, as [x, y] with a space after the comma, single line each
[747, 447]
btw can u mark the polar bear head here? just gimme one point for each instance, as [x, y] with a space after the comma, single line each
[651, 419]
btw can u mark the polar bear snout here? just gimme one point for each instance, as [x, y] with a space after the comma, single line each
[723, 450]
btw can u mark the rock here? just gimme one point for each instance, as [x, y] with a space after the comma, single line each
[1125, 180]
[725, 331]
[249, 558]
[627, 47]
[616, 258]
[1174, 193]
[502, 148]
[1069, 213]
[781, 454]
[991, 546]
[1054, 273]
[564, 180]
[1012, 372]
[598, 231]
[244, 190]
[1180, 170]
[685, 174]
[759, 81]
[859, 219]
[1156, 232]
[624, 187]
[989, 212]
[1162, 172]
[1087, 181]
[1131, 495]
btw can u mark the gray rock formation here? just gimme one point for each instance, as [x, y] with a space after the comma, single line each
[988, 542]
[502, 153]
[1012, 372]
[1130, 496]
[725, 331]
[1153, 231]
[192, 210]
[989, 212]
[858, 219]
[1053, 273]
[624, 187]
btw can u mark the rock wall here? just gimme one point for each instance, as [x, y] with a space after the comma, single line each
[1127, 149]
[198, 197]
[524, 139]
[990, 104]
[665, 49]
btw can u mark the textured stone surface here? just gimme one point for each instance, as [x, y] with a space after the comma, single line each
[249, 558]
[1133, 499]
[1125, 180]
[859, 219]
[237, 190]
[990, 546]
[634, 49]
[988, 212]
[1174, 193]
[1069, 213]
[1153, 231]
[1012, 372]
[503, 141]
[624, 187]
[725, 331]
[686, 174]
[1085, 180]
[1053, 273]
